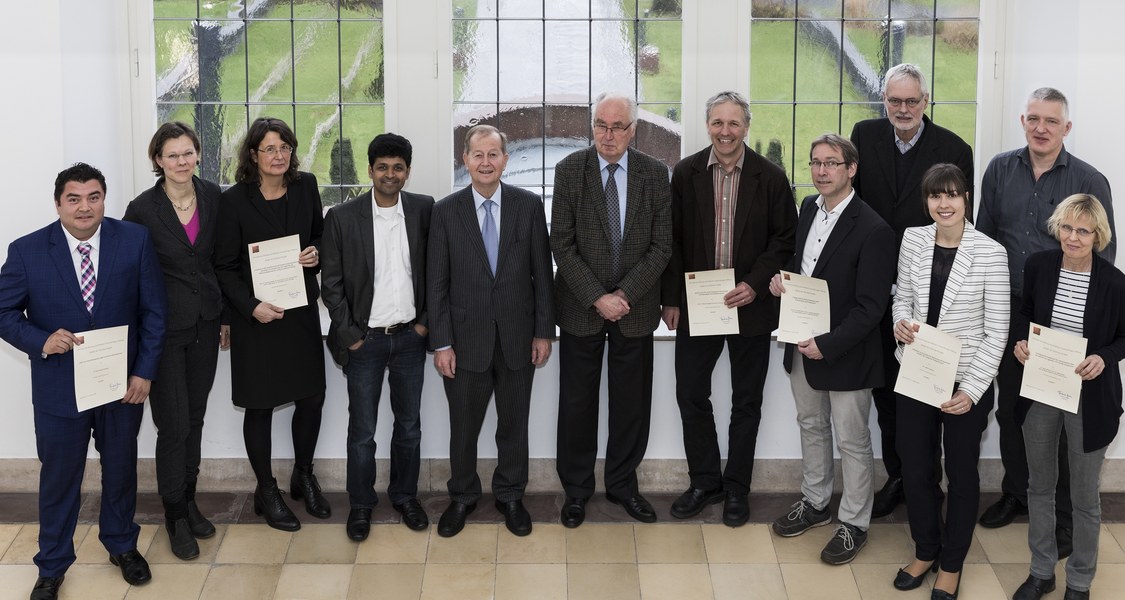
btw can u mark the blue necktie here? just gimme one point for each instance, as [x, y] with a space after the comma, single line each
[613, 217]
[490, 235]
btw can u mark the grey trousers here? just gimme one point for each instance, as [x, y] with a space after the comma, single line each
[818, 413]
[1041, 430]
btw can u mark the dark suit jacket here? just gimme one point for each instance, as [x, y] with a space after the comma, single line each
[39, 294]
[467, 305]
[858, 262]
[580, 242]
[1103, 326]
[765, 223]
[875, 180]
[189, 274]
[347, 259]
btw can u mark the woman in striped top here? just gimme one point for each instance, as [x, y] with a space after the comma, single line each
[1072, 289]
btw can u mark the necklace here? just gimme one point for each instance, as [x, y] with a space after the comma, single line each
[180, 208]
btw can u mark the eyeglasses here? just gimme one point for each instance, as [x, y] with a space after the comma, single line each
[272, 151]
[187, 156]
[1066, 230]
[830, 164]
[897, 102]
[602, 128]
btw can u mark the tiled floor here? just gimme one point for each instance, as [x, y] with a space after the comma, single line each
[607, 558]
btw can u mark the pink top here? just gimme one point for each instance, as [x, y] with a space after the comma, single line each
[192, 228]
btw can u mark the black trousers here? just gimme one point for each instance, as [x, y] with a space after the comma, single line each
[1013, 454]
[749, 363]
[630, 406]
[885, 398]
[468, 394]
[923, 432]
[178, 400]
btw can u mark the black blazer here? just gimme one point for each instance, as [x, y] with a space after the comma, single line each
[765, 224]
[858, 262]
[468, 306]
[1103, 325]
[189, 275]
[875, 180]
[347, 258]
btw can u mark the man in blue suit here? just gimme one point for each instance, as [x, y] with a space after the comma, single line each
[83, 272]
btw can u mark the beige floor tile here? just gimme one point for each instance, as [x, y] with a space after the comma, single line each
[225, 582]
[545, 545]
[598, 543]
[253, 544]
[1011, 575]
[313, 582]
[750, 543]
[524, 581]
[804, 548]
[675, 581]
[874, 582]
[321, 544]
[1005, 544]
[818, 580]
[160, 550]
[674, 544]
[976, 554]
[1109, 551]
[8, 533]
[393, 543]
[18, 581]
[980, 582]
[463, 582]
[172, 582]
[26, 544]
[602, 581]
[93, 582]
[747, 582]
[1108, 582]
[92, 552]
[1117, 530]
[475, 544]
[386, 582]
[886, 544]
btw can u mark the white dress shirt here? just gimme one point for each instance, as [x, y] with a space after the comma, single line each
[393, 302]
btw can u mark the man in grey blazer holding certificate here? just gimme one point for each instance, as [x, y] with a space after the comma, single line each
[491, 322]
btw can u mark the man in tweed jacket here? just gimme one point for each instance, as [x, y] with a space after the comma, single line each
[611, 235]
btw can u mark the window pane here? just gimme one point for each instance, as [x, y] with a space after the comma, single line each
[316, 9]
[317, 61]
[362, 9]
[567, 9]
[958, 118]
[567, 126]
[474, 61]
[361, 53]
[613, 68]
[521, 61]
[524, 127]
[773, 9]
[520, 9]
[818, 61]
[812, 120]
[567, 60]
[912, 9]
[183, 9]
[177, 57]
[821, 9]
[659, 59]
[771, 45]
[471, 9]
[269, 61]
[850, 114]
[658, 133]
[865, 9]
[864, 62]
[660, 9]
[955, 63]
[958, 8]
[360, 124]
[317, 128]
[913, 43]
[771, 132]
[612, 9]
[233, 9]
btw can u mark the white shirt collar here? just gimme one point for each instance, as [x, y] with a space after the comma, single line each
[479, 200]
[375, 208]
[95, 240]
[623, 162]
[839, 209]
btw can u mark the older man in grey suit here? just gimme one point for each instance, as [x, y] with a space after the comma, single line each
[611, 233]
[491, 323]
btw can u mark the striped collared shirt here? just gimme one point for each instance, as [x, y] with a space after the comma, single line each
[725, 185]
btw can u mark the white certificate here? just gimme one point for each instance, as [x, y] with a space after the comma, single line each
[1048, 374]
[707, 313]
[929, 366]
[277, 275]
[805, 310]
[101, 366]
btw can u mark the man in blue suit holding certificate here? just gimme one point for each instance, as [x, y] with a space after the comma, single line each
[84, 272]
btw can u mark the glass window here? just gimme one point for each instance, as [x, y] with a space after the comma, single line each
[317, 64]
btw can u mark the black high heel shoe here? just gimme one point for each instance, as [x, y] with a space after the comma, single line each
[905, 581]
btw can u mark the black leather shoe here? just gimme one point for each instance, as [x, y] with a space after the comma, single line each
[1073, 594]
[453, 519]
[1003, 512]
[413, 515]
[47, 588]
[694, 500]
[134, 567]
[268, 503]
[936, 594]
[359, 524]
[573, 512]
[736, 509]
[201, 528]
[516, 517]
[887, 498]
[905, 581]
[304, 486]
[636, 506]
[1064, 541]
[183, 542]
[1034, 588]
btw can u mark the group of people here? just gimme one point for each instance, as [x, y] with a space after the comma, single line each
[469, 278]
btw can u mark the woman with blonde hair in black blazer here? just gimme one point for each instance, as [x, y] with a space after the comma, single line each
[952, 277]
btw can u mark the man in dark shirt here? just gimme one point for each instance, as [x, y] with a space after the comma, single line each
[1019, 191]
[894, 153]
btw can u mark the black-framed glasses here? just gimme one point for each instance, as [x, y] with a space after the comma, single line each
[602, 128]
[830, 164]
[897, 102]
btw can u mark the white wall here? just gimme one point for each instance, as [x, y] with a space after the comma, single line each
[67, 69]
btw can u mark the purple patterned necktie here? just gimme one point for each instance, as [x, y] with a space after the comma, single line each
[87, 280]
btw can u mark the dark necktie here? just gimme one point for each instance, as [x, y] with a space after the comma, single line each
[613, 217]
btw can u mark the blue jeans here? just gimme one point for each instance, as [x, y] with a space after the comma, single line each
[403, 354]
